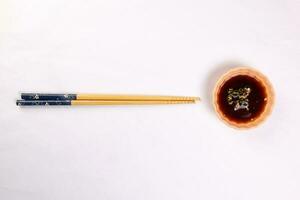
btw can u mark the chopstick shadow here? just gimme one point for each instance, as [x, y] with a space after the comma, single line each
[213, 76]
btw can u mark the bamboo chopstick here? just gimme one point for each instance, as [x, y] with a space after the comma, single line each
[98, 102]
[44, 99]
[111, 97]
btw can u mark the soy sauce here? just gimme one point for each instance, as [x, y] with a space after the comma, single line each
[242, 98]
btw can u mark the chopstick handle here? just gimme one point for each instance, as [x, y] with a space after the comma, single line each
[43, 103]
[46, 96]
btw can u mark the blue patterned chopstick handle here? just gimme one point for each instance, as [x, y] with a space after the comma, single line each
[43, 103]
[45, 96]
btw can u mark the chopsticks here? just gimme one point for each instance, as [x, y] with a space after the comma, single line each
[45, 99]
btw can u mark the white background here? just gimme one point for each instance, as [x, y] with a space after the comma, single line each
[146, 152]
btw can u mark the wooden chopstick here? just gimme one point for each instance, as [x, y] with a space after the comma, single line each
[134, 97]
[110, 97]
[97, 102]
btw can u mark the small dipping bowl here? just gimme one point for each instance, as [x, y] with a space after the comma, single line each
[243, 98]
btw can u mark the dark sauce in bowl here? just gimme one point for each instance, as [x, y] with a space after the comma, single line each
[242, 98]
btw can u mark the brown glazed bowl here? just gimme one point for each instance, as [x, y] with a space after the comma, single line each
[268, 101]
